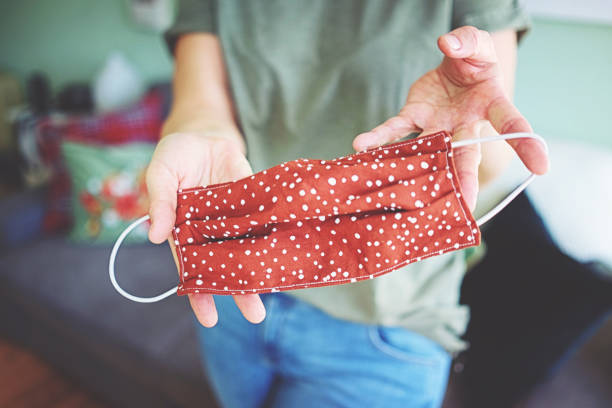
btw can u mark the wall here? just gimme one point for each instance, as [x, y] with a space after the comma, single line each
[564, 84]
[70, 39]
[563, 78]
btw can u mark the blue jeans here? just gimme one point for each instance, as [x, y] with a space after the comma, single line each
[299, 356]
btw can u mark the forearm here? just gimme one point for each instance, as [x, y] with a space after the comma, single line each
[202, 100]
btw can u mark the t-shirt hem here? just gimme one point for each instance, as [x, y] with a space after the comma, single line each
[192, 17]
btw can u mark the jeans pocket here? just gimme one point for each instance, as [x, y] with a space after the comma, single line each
[405, 345]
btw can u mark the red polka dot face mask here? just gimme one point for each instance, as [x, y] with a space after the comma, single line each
[310, 223]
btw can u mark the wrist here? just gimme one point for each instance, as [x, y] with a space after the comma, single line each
[203, 126]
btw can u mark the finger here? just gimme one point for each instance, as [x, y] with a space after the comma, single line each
[468, 42]
[251, 306]
[470, 56]
[203, 305]
[389, 131]
[467, 160]
[161, 187]
[506, 118]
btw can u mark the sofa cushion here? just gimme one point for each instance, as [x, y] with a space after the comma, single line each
[57, 299]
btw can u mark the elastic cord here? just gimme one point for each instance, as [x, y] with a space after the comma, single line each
[502, 204]
[111, 268]
[479, 222]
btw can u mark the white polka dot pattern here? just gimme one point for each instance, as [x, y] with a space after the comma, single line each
[310, 223]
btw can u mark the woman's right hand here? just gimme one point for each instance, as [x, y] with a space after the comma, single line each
[192, 159]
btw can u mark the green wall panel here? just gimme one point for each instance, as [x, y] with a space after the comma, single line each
[564, 80]
[70, 39]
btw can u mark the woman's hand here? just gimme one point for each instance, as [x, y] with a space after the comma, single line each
[191, 159]
[466, 88]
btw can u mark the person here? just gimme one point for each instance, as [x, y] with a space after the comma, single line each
[259, 83]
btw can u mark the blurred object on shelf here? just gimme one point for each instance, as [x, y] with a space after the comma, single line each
[10, 99]
[31, 166]
[117, 85]
[76, 99]
[38, 92]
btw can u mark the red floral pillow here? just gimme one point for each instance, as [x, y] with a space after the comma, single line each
[108, 189]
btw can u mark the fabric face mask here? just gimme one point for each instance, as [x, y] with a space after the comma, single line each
[309, 223]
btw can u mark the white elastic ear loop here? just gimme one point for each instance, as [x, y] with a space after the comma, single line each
[111, 268]
[495, 210]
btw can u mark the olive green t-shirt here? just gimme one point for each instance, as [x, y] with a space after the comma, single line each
[307, 77]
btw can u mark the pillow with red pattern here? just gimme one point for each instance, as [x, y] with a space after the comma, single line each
[108, 190]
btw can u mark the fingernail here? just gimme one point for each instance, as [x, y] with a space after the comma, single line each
[453, 42]
[544, 146]
[260, 314]
[206, 318]
[209, 321]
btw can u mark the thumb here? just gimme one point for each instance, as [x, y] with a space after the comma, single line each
[233, 168]
[392, 129]
[469, 56]
[162, 186]
[469, 43]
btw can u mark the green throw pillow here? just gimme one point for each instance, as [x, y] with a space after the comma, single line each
[108, 190]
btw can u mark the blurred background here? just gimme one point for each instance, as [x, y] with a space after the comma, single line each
[84, 89]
